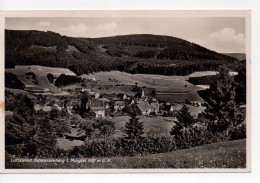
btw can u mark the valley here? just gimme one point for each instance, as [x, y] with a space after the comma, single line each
[120, 97]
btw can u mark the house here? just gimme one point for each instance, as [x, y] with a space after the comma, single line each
[73, 103]
[57, 107]
[119, 105]
[99, 111]
[98, 107]
[168, 107]
[153, 100]
[131, 101]
[145, 108]
[94, 94]
[78, 89]
[46, 107]
[107, 106]
[145, 92]
[122, 96]
[37, 108]
[83, 90]
[105, 101]
[155, 106]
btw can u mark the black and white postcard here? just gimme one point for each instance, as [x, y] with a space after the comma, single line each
[125, 91]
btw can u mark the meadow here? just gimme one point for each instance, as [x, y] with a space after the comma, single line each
[218, 155]
[160, 82]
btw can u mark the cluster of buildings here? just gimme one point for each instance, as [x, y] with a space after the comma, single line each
[116, 103]
[102, 105]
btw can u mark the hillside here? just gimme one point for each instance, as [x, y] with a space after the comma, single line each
[239, 56]
[155, 46]
[148, 54]
[219, 155]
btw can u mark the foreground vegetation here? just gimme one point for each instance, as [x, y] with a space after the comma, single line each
[218, 155]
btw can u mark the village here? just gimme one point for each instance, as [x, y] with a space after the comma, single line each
[103, 104]
[109, 95]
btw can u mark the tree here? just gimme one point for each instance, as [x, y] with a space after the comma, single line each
[50, 77]
[105, 127]
[44, 140]
[134, 128]
[240, 80]
[183, 126]
[184, 117]
[221, 109]
[24, 107]
[11, 81]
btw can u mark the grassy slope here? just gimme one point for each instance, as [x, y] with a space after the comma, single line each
[162, 83]
[40, 76]
[159, 123]
[219, 155]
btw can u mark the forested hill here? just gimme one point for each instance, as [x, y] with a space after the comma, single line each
[239, 56]
[162, 47]
[131, 53]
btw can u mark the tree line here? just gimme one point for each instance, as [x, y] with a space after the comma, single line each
[134, 53]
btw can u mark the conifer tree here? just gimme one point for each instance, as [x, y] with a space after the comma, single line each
[134, 128]
[181, 128]
[240, 80]
[184, 117]
[221, 109]
[44, 140]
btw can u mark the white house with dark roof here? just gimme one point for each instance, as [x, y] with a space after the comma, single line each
[145, 107]
[155, 106]
[98, 107]
[94, 94]
[119, 105]
[100, 112]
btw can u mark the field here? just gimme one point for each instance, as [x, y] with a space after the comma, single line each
[160, 124]
[40, 77]
[160, 82]
[179, 97]
[219, 155]
[206, 73]
[56, 71]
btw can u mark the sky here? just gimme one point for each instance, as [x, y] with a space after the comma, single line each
[221, 34]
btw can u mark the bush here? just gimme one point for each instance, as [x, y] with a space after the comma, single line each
[104, 127]
[108, 147]
[97, 148]
[11, 81]
[50, 77]
[63, 80]
[238, 132]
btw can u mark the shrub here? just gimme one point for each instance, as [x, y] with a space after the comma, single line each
[63, 80]
[11, 81]
[238, 132]
[97, 148]
[50, 77]
[107, 147]
[105, 127]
